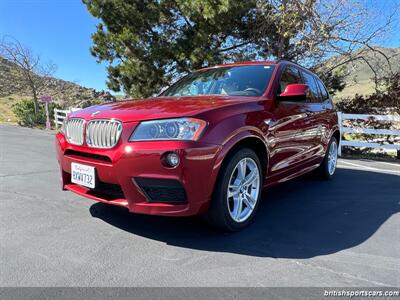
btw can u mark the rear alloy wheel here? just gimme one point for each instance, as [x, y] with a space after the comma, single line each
[237, 192]
[327, 168]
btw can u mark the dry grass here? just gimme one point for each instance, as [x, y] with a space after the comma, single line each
[6, 113]
[363, 87]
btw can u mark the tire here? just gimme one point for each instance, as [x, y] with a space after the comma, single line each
[326, 170]
[225, 211]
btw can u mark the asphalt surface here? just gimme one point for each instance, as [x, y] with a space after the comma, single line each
[307, 232]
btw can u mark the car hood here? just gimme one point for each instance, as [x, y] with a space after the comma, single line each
[157, 108]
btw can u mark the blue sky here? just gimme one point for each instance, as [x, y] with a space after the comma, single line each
[60, 31]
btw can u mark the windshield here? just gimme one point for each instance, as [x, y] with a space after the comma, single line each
[231, 81]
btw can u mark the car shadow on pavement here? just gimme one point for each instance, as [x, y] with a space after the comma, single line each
[298, 219]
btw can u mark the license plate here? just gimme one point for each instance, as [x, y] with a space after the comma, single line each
[83, 175]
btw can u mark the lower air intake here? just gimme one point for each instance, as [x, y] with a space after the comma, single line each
[162, 190]
[107, 191]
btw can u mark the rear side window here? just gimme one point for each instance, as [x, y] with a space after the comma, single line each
[290, 75]
[312, 84]
[322, 88]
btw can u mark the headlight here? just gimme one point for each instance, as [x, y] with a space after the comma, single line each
[169, 129]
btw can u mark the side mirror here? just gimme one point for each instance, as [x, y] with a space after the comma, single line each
[294, 92]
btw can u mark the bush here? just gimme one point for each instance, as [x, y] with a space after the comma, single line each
[25, 112]
[92, 102]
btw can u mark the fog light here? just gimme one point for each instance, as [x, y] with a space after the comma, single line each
[172, 159]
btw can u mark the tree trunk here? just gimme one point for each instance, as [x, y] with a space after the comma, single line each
[34, 95]
[35, 101]
[33, 87]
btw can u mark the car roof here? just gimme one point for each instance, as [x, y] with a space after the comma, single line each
[255, 63]
[242, 63]
[259, 63]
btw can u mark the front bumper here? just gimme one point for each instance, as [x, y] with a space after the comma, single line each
[119, 166]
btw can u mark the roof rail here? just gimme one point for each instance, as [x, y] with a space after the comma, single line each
[287, 60]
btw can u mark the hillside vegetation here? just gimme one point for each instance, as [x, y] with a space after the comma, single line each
[64, 93]
[67, 94]
[6, 103]
[359, 78]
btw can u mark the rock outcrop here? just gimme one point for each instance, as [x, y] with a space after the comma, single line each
[65, 93]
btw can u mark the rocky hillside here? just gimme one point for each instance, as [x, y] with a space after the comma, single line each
[65, 93]
[359, 76]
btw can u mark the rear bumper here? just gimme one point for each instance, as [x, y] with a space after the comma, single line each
[118, 167]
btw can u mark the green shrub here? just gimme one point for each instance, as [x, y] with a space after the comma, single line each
[25, 112]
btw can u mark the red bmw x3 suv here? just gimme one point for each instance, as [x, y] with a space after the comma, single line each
[207, 145]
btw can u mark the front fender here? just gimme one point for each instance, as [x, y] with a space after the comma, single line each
[234, 139]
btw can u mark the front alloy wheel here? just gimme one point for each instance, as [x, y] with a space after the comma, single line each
[237, 191]
[243, 189]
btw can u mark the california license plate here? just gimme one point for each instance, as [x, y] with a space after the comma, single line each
[83, 175]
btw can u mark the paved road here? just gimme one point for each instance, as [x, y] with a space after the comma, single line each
[307, 233]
